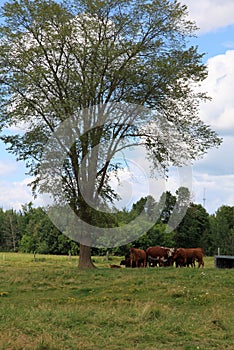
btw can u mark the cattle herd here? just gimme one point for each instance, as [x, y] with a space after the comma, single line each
[163, 256]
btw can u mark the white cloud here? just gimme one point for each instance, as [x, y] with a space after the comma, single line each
[217, 190]
[219, 85]
[215, 171]
[13, 195]
[219, 161]
[211, 15]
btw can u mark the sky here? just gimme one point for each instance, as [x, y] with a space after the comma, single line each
[212, 178]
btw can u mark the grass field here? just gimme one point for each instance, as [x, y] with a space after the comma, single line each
[49, 304]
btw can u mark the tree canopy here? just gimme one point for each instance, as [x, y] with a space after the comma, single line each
[122, 72]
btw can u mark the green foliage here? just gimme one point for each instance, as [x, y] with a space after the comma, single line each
[192, 229]
[10, 234]
[27, 244]
[166, 206]
[223, 229]
[157, 235]
[140, 56]
[31, 229]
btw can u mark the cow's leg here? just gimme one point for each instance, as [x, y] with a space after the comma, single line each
[131, 260]
[200, 263]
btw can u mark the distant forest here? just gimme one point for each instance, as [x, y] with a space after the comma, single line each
[30, 229]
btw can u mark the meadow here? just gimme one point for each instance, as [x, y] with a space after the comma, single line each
[49, 304]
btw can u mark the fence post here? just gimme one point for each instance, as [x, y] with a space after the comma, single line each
[107, 255]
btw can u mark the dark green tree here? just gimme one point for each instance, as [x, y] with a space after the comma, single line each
[144, 204]
[41, 236]
[157, 235]
[60, 60]
[165, 206]
[222, 224]
[3, 245]
[193, 229]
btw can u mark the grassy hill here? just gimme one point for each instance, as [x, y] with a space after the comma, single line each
[49, 304]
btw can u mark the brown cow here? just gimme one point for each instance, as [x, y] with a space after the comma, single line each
[127, 263]
[114, 266]
[185, 256]
[161, 256]
[180, 261]
[138, 256]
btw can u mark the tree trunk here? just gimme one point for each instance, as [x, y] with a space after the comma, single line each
[85, 261]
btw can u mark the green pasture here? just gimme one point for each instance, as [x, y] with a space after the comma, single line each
[48, 304]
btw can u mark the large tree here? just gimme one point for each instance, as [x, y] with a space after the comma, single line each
[94, 63]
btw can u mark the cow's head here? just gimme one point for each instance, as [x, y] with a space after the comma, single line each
[171, 252]
[176, 253]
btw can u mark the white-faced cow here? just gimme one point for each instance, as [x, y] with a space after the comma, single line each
[160, 256]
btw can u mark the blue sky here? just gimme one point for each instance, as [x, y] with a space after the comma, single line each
[214, 174]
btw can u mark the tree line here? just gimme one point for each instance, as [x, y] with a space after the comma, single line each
[30, 229]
